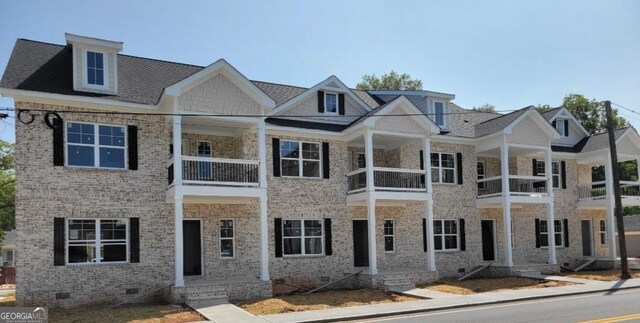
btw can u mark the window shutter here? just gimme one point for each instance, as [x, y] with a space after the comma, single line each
[459, 167]
[321, 101]
[563, 173]
[537, 233]
[535, 167]
[325, 160]
[422, 177]
[328, 247]
[424, 235]
[276, 157]
[553, 123]
[58, 143]
[566, 232]
[341, 104]
[278, 236]
[58, 241]
[566, 128]
[463, 238]
[134, 240]
[132, 137]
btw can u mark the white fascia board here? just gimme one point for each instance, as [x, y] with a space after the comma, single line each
[74, 100]
[299, 132]
[84, 40]
[570, 117]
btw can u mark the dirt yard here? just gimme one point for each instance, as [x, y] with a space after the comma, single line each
[482, 285]
[603, 275]
[321, 300]
[8, 300]
[138, 314]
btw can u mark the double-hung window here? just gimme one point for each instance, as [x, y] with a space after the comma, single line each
[544, 233]
[438, 110]
[560, 126]
[389, 236]
[96, 241]
[555, 172]
[95, 68]
[302, 237]
[300, 159]
[443, 168]
[445, 235]
[603, 232]
[227, 237]
[85, 150]
[330, 103]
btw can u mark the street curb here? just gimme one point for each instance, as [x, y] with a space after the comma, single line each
[448, 307]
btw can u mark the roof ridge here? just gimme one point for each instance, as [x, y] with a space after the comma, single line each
[607, 131]
[504, 115]
[274, 83]
[162, 60]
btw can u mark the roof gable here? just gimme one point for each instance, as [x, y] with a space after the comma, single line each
[402, 102]
[564, 113]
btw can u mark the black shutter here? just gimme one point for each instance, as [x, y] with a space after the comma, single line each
[328, 248]
[459, 165]
[566, 128]
[553, 123]
[341, 104]
[422, 179]
[321, 101]
[58, 241]
[538, 233]
[566, 233]
[463, 237]
[325, 160]
[535, 167]
[58, 144]
[424, 234]
[276, 157]
[278, 236]
[134, 240]
[132, 137]
[563, 174]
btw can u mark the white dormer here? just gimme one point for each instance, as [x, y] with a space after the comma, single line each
[438, 108]
[95, 64]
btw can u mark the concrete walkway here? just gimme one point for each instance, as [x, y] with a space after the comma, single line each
[227, 313]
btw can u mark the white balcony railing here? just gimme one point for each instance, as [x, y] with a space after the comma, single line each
[388, 179]
[597, 190]
[217, 171]
[518, 186]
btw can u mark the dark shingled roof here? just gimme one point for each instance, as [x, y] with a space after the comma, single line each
[551, 113]
[280, 93]
[496, 124]
[601, 140]
[462, 122]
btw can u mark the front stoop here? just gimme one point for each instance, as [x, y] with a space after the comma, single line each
[203, 295]
[205, 292]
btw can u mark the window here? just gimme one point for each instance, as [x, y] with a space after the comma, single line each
[296, 162]
[302, 237]
[362, 161]
[544, 233]
[330, 103]
[603, 232]
[555, 172]
[85, 151]
[95, 68]
[9, 255]
[560, 126]
[204, 167]
[438, 110]
[389, 236]
[227, 237]
[97, 241]
[481, 173]
[445, 234]
[443, 168]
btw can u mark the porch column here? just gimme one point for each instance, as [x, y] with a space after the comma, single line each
[428, 205]
[179, 272]
[371, 223]
[264, 240]
[550, 211]
[177, 150]
[368, 154]
[262, 154]
[611, 206]
[506, 205]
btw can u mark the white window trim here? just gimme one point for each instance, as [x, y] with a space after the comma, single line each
[302, 237]
[233, 239]
[97, 242]
[602, 232]
[96, 146]
[560, 121]
[556, 232]
[327, 112]
[301, 160]
[558, 175]
[445, 115]
[210, 148]
[384, 235]
[442, 235]
[105, 66]
[440, 168]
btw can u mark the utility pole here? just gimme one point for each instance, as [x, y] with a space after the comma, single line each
[616, 193]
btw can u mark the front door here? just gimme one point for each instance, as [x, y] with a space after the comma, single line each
[488, 240]
[191, 248]
[360, 243]
[587, 238]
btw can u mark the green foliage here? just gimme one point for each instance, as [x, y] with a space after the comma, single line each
[490, 108]
[391, 81]
[7, 186]
[543, 108]
[591, 113]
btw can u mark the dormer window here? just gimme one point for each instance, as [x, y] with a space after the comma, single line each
[95, 69]
[562, 126]
[331, 103]
[439, 112]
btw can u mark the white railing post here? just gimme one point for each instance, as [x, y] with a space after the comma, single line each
[506, 204]
[177, 151]
[611, 223]
[550, 211]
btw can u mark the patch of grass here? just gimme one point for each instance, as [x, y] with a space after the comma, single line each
[8, 300]
[321, 300]
[138, 314]
[602, 275]
[482, 285]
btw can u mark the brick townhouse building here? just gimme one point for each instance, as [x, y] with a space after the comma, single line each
[148, 174]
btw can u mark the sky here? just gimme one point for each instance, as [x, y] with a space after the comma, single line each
[510, 54]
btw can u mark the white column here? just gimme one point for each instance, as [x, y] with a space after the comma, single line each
[177, 150]
[368, 154]
[179, 271]
[371, 223]
[262, 154]
[506, 205]
[611, 206]
[550, 211]
[264, 243]
[428, 205]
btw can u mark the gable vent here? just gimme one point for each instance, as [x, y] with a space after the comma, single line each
[333, 84]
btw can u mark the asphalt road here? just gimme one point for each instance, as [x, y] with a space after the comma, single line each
[622, 305]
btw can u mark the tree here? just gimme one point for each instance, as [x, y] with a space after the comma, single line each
[391, 81]
[591, 113]
[490, 108]
[7, 186]
[543, 108]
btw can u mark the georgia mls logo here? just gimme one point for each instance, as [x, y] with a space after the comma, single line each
[23, 314]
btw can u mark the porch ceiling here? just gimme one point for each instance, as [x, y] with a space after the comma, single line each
[386, 141]
[513, 151]
[222, 126]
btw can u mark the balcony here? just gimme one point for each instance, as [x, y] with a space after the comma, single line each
[391, 185]
[594, 195]
[522, 189]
